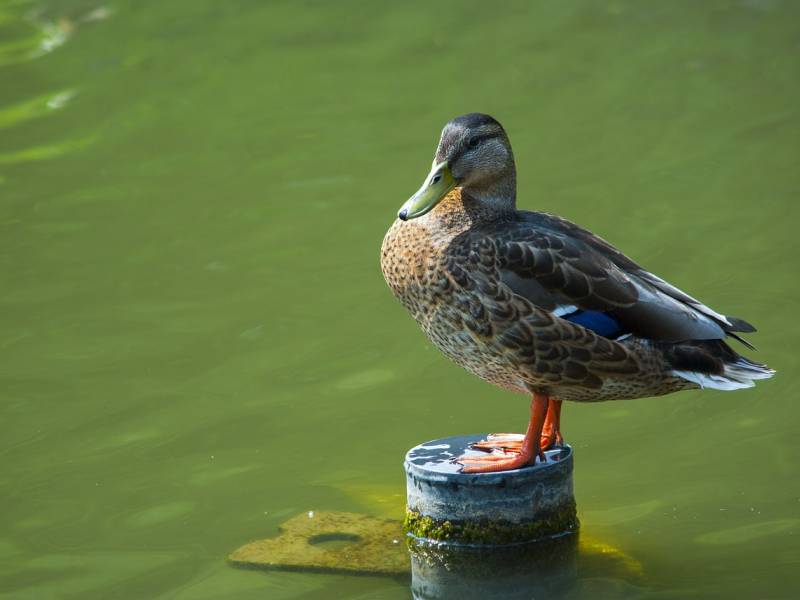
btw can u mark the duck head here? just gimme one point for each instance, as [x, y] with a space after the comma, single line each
[474, 154]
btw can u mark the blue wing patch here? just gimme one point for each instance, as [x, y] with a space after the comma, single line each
[599, 322]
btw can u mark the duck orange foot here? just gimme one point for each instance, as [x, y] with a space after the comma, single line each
[508, 451]
[512, 442]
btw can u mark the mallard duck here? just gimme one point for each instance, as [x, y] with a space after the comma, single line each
[535, 304]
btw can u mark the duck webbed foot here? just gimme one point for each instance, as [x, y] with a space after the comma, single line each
[506, 451]
[507, 442]
[494, 462]
[511, 443]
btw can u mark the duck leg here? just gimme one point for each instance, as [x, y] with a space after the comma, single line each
[551, 432]
[512, 442]
[530, 446]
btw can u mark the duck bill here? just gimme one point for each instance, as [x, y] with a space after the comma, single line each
[435, 187]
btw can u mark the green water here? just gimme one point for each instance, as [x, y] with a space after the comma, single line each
[196, 342]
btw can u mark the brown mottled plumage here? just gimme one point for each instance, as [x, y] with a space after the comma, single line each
[448, 274]
[494, 289]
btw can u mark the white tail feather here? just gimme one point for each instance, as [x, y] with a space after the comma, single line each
[737, 375]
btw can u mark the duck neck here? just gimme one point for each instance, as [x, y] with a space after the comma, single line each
[461, 210]
[496, 196]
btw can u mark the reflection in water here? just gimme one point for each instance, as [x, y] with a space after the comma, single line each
[26, 36]
[31, 37]
[542, 570]
[33, 108]
[572, 566]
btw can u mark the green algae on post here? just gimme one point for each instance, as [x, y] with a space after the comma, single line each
[491, 533]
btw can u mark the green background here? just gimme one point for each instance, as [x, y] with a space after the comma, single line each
[196, 342]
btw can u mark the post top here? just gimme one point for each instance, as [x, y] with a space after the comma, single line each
[434, 460]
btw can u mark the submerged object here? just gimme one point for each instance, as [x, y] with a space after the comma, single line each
[535, 304]
[448, 507]
[358, 544]
[327, 541]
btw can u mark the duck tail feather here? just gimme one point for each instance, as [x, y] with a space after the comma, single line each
[741, 340]
[735, 376]
[740, 325]
[714, 364]
[745, 369]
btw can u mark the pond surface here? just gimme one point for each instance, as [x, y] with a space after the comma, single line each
[196, 342]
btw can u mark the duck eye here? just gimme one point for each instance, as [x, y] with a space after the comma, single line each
[473, 142]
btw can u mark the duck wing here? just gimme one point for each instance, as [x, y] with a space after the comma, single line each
[567, 270]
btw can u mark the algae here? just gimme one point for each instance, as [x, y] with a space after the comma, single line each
[485, 532]
[361, 544]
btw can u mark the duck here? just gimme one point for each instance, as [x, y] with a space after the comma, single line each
[535, 304]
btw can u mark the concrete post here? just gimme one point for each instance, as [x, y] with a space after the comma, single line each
[486, 509]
